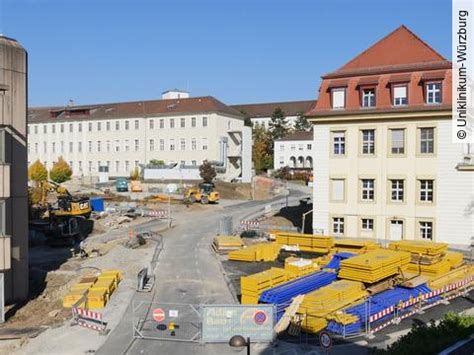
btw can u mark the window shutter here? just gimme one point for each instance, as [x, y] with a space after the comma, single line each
[400, 91]
[397, 138]
[338, 189]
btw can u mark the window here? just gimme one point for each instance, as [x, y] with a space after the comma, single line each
[79, 127]
[62, 146]
[426, 230]
[80, 165]
[426, 140]
[127, 125]
[282, 147]
[107, 146]
[107, 126]
[90, 146]
[368, 98]
[89, 164]
[367, 224]
[193, 162]
[397, 190]
[293, 147]
[137, 124]
[204, 144]
[162, 144]
[53, 128]
[152, 144]
[400, 97]
[300, 146]
[397, 141]
[36, 129]
[99, 126]
[337, 190]
[36, 147]
[127, 145]
[193, 144]
[368, 189]
[282, 161]
[183, 163]
[136, 163]
[339, 143]
[98, 146]
[426, 190]
[71, 127]
[89, 127]
[53, 147]
[433, 93]
[162, 123]
[71, 164]
[98, 166]
[45, 129]
[182, 144]
[79, 147]
[117, 166]
[117, 125]
[338, 97]
[172, 123]
[152, 124]
[204, 121]
[137, 144]
[171, 144]
[183, 123]
[308, 146]
[61, 127]
[193, 122]
[338, 225]
[71, 148]
[45, 148]
[127, 166]
[368, 141]
[117, 145]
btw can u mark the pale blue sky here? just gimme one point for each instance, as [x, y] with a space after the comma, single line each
[243, 51]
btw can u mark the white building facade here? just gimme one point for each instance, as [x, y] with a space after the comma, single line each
[184, 131]
[294, 151]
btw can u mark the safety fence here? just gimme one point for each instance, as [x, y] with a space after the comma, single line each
[89, 319]
[257, 225]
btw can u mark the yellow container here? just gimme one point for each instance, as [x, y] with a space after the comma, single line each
[97, 297]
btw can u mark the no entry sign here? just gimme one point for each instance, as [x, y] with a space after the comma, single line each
[158, 315]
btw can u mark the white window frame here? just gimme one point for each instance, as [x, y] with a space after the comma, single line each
[397, 190]
[338, 98]
[426, 190]
[427, 144]
[339, 143]
[369, 95]
[367, 190]
[368, 141]
[398, 98]
[432, 91]
[397, 150]
[367, 224]
[426, 230]
[338, 225]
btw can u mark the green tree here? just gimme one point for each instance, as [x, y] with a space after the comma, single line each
[278, 124]
[247, 120]
[61, 171]
[262, 151]
[207, 171]
[156, 162]
[37, 172]
[302, 124]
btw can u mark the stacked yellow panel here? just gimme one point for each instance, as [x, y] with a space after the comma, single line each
[455, 259]
[78, 291]
[419, 247]
[226, 243]
[433, 270]
[354, 246]
[306, 242]
[320, 305]
[374, 266]
[451, 277]
[252, 286]
[256, 252]
[298, 267]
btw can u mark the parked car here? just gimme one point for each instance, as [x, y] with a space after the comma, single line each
[121, 185]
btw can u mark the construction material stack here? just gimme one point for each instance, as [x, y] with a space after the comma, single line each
[374, 266]
[305, 242]
[256, 252]
[224, 244]
[355, 246]
[253, 285]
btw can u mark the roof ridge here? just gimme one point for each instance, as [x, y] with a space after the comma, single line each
[273, 102]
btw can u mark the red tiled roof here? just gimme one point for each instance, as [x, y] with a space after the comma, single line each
[298, 136]
[410, 49]
[206, 104]
[433, 75]
[400, 78]
[291, 108]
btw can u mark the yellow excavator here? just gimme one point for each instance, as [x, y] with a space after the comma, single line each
[204, 193]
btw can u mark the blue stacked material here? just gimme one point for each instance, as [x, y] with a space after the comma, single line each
[335, 263]
[378, 303]
[97, 204]
[282, 295]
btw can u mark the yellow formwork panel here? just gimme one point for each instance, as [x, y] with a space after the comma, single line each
[354, 246]
[433, 270]
[419, 247]
[256, 252]
[82, 286]
[97, 297]
[112, 272]
[306, 242]
[108, 282]
[225, 241]
[374, 265]
[298, 267]
[342, 318]
[455, 259]
[73, 297]
[458, 274]
[245, 299]
[265, 279]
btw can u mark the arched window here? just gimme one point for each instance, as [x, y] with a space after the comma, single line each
[300, 162]
[292, 162]
[309, 162]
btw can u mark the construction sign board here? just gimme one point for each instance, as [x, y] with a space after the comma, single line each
[222, 322]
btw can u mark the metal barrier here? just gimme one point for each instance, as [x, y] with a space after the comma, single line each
[89, 319]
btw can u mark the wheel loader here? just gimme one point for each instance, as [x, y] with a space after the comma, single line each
[204, 194]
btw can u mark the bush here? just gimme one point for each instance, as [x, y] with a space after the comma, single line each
[207, 172]
[37, 172]
[285, 174]
[431, 338]
[61, 171]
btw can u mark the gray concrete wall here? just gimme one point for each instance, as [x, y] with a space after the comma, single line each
[13, 111]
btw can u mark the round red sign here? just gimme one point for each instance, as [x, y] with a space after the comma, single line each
[158, 315]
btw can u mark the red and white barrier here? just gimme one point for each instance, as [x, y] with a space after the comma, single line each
[88, 314]
[157, 214]
[89, 319]
[97, 327]
[381, 314]
[248, 223]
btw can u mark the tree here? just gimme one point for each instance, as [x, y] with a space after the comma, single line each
[156, 162]
[302, 124]
[262, 151]
[135, 174]
[37, 172]
[278, 124]
[247, 120]
[61, 171]
[207, 171]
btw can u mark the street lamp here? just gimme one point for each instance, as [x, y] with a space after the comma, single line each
[239, 342]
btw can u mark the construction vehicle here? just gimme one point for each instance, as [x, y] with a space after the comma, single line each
[64, 220]
[204, 193]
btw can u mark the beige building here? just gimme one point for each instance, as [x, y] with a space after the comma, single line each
[385, 166]
[118, 137]
[13, 170]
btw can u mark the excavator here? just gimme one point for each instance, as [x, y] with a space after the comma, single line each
[64, 220]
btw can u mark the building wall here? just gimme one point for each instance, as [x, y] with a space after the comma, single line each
[286, 151]
[14, 197]
[118, 147]
[382, 167]
[265, 121]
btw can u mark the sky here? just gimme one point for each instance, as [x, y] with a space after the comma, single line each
[240, 51]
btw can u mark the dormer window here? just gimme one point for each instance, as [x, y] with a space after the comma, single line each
[368, 98]
[433, 93]
[400, 95]
[338, 97]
